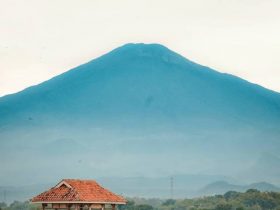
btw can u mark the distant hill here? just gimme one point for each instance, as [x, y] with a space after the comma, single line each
[221, 187]
[263, 186]
[139, 110]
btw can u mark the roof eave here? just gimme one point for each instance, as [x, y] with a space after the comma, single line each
[94, 202]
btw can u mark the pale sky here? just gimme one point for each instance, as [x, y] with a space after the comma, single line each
[43, 38]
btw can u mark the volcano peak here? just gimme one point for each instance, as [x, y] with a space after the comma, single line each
[153, 51]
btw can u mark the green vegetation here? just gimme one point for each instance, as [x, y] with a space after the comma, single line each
[250, 200]
[17, 205]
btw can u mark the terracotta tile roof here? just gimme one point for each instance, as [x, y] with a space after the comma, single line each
[71, 190]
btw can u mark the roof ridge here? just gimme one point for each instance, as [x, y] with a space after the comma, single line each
[82, 180]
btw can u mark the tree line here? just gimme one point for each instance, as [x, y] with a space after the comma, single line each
[250, 200]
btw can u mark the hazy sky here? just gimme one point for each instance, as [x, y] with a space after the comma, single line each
[42, 38]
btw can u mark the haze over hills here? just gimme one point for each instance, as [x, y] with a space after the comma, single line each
[221, 187]
[185, 186]
[140, 110]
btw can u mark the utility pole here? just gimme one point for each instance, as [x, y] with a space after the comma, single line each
[4, 195]
[171, 187]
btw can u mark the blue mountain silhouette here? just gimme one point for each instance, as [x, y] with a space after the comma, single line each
[140, 109]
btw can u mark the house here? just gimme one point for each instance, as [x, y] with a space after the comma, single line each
[78, 194]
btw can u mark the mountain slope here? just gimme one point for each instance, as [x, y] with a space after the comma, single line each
[147, 107]
[221, 187]
[143, 79]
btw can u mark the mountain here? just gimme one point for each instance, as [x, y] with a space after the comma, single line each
[141, 80]
[264, 186]
[140, 110]
[221, 187]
